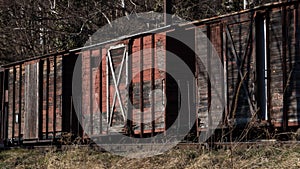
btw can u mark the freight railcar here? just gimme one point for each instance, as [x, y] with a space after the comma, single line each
[258, 49]
[36, 99]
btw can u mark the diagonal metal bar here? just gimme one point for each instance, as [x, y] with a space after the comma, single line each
[246, 49]
[107, 90]
[115, 83]
[118, 81]
[238, 61]
[115, 94]
[248, 38]
[107, 83]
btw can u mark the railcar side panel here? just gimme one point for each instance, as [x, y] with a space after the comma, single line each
[284, 67]
[239, 69]
[202, 109]
[31, 101]
[125, 87]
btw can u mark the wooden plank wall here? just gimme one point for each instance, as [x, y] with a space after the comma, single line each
[201, 42]
[284, 64]
[34, 99]
[238, 42]
[31, 101]
[147, 112]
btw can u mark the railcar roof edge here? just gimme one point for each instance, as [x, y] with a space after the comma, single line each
[261, 7]
[34, 58]
[124, 37]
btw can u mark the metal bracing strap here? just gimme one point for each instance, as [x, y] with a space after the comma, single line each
[116, 84]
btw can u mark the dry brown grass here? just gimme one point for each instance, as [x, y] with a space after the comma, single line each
[264, 157]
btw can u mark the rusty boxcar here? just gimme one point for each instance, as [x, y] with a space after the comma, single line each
[36, 99]
[258, 48]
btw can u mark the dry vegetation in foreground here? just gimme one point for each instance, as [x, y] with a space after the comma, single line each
[264, 157]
